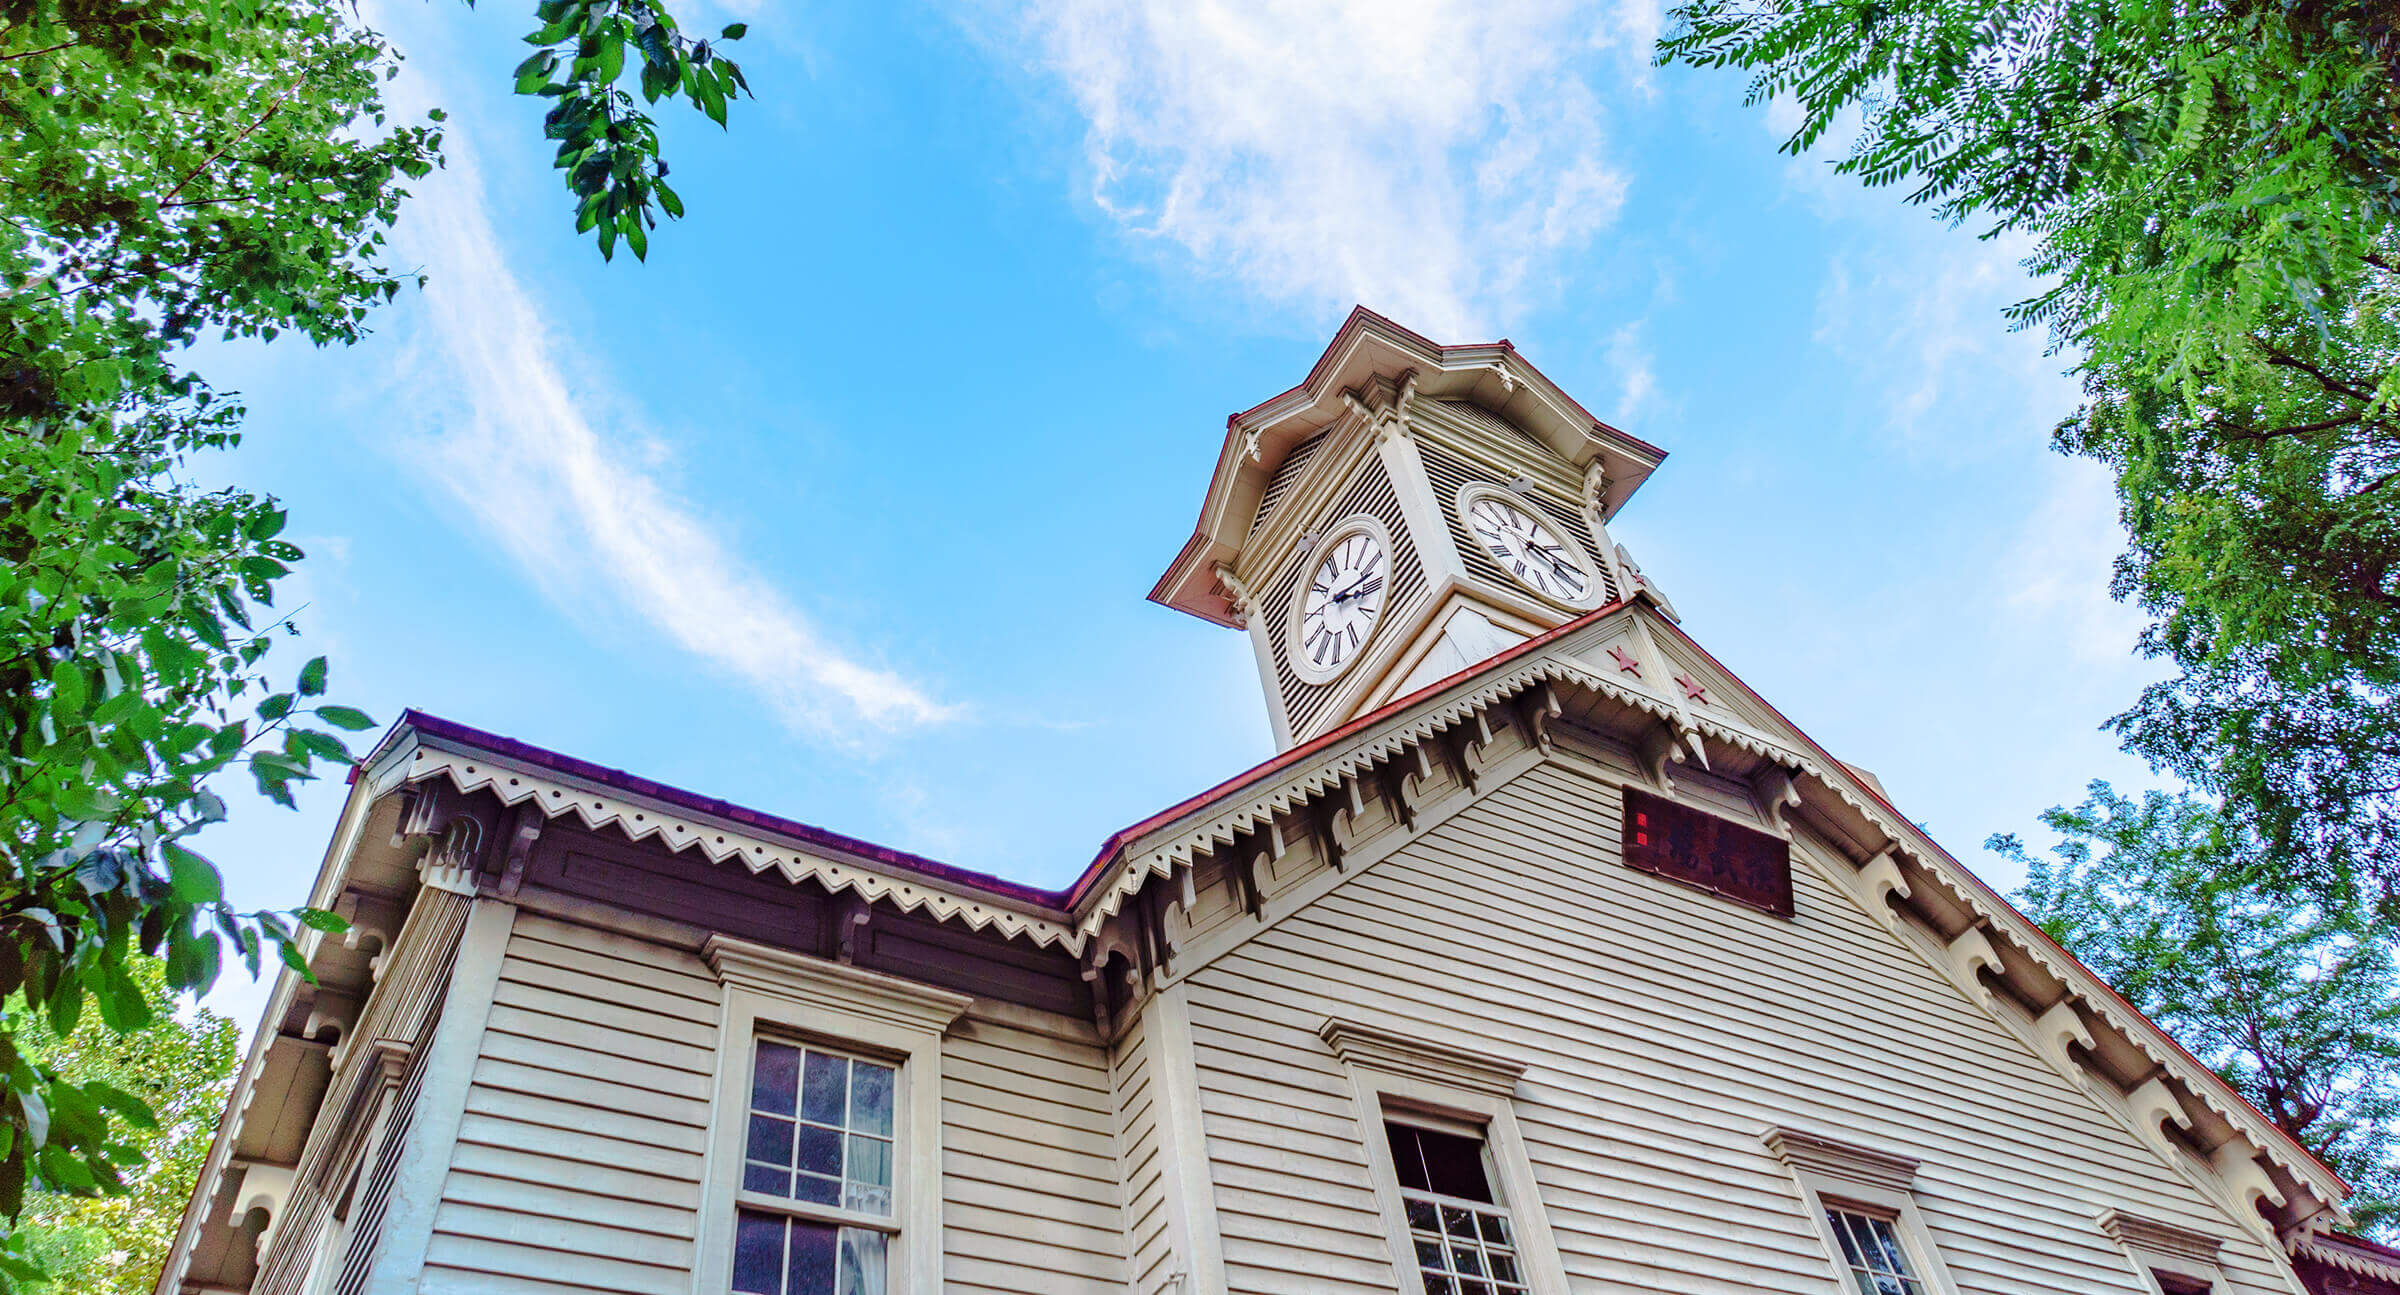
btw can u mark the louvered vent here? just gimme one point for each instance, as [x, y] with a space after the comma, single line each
[1451, 474]
[1371, 493]
[1479, 416]
[1287, 475]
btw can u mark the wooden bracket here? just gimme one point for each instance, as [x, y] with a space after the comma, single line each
[1658, 750]
[1469, 741]
[1970, 952]
[1536, 707]
[1774, 791]
[851, 922]
[523, 831]
[1395, 778]
[1883, 880]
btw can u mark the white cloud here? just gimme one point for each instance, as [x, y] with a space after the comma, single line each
[1637, 376]
[2058, 573]
[580, 505]
[1430, 158]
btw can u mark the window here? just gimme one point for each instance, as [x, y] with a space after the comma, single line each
[816, 1196]
[1464, 1244]
[2177, 1260]
[824, 1163]
[1860, 1202]
[1872, 1250]
[1460, 1206]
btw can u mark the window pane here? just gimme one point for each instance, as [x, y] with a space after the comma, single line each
[1408, 1162]
[1421, 1216]
[867, 1183]
[811, 1266]
[1454, 1165]
[817, 1190]
[820, 1151]
[1841, 1233]
[824, 1088]
[774, 1080]
[758, 1255]
[863, 1262]
[871, 1098]
[770, 1179]
[770, 1140]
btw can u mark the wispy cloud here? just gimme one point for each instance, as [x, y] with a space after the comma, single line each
[1432, 158]
[581, 504]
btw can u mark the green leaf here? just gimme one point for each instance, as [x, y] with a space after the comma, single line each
[344, 717]
[317, 919]
[312, 678]
[194, 878]
[735, 31]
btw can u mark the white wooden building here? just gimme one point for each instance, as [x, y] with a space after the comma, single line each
[1546, 957]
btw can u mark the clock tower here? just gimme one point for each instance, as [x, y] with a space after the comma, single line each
[1406, 512]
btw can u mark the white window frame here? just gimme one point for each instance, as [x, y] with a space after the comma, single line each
[1836, 1174]
[1403, 1079]
[790, 997]
[2154, 1247]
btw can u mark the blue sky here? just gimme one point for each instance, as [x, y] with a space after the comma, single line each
[845, 504]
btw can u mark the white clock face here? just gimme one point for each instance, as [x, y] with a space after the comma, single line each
[1345, 595]
[1521, 544]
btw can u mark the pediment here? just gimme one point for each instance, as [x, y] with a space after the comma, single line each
[1173, 893]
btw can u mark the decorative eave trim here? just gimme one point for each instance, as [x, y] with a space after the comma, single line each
[2166, 1239]
[1217, 824]
[2349, 1254]
[641, 818]
[1390, 1053]
[834, 986]
[1839, 1161]
[2021, 935]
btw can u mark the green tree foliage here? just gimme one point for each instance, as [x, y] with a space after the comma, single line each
[2211, 189]
[183, 1069]
[2294, 1000]
[607, 146]
[172, 170]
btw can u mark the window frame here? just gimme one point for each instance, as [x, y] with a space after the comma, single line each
[1839, 1175]
[786, 997]
[1402, 1079]
[2156, 1249]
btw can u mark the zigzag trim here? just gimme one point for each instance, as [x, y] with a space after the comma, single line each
[639, 821]
[1329, 772]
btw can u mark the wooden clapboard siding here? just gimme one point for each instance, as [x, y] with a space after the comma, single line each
[1029, 1163]
[581, 1153]
[1664, 1030]
[1141, 1184]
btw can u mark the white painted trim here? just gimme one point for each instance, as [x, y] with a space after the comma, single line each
[1185, 1176]
[851, 1010]
[2153, 1247]
[424, 1164]
[1394, 1074]
[1827, 1170]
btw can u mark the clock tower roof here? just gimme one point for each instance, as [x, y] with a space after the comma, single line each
[1365, 348]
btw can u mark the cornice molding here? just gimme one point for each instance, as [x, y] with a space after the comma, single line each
[1839, 1161]
[1391, 1053]
[2165, 1239]
[720, 842]
[2349, 1254]
[832, 986]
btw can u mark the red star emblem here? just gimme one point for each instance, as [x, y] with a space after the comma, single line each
[1625, 662]
[1692, 689]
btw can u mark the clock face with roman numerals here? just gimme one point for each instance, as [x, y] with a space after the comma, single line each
[1344, 597]
[1528, 549]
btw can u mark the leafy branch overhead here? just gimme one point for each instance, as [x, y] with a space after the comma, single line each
[608, 146]
[2213, 193]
